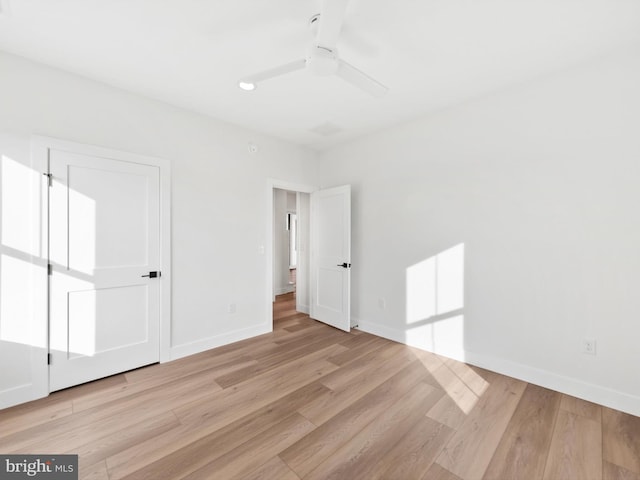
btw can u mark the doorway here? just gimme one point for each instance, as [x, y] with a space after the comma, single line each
[323, 288]
[285, 240]
[287, 247]
[290, 249]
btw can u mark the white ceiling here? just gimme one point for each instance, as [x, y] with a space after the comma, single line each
[430, 53]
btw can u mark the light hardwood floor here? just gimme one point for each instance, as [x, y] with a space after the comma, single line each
[311, 402]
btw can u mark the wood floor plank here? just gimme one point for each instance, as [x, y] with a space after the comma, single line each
[90, 425]
[129, 389]
[621, 439]
[297, 327]
[163, 372]
[522, 451]
[58, 404]
[90, 388]
[581, 407]
[616, 472]
[430, 360]
[354, 341]
[414, 453]
[453, 408]
[189, 454]
[470, 449]
[337, 399]
[296, 318]
[313, 449]
[230, 404]
[299, 340]
[131, 435]
[272, 470]
[32, 414]
[165, 454]
[264, 363]
[447, 412]
[317, 330]
[256, 451]
[436, 472]
[358, 458]
[357, 348]
[464, 395]
[476, 379]
[389, 357]
[576, 449]
[97, 471]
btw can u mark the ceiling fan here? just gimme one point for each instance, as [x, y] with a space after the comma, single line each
[322, 56]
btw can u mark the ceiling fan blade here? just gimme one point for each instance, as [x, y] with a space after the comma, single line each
[360, 79]
[332, 14]
[274, 72]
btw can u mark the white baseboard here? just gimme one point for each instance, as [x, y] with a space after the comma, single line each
[303, 308]
[208, 343]
[560, 383]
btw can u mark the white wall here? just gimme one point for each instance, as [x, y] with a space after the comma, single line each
[506, 230]
[216, 249]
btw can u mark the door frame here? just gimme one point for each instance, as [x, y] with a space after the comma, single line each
[40, 146]
[272, 184]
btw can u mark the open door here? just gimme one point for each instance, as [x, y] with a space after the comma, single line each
[331, 256]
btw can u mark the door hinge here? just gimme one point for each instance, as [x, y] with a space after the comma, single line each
[49, 269]
[49, 177]
[48, 359]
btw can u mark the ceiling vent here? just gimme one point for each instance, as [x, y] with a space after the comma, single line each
[326, 129]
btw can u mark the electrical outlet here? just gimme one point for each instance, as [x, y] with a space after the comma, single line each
[231, 308]
[382, 303]
[589, 346]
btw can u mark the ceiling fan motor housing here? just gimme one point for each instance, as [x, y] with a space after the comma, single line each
[322, 61]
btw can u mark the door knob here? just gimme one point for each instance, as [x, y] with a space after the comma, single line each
[344, 265]
[153, 274]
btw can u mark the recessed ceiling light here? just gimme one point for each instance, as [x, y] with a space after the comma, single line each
[248, 86]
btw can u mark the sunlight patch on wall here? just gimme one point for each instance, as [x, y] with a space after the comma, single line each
[435, 286]
[435, 302]
[20, 250]
[444, 337]
[16, 306]
[421, 290]
[18, 184]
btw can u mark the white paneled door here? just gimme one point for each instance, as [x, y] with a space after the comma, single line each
[104, 245]
[331, 256]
